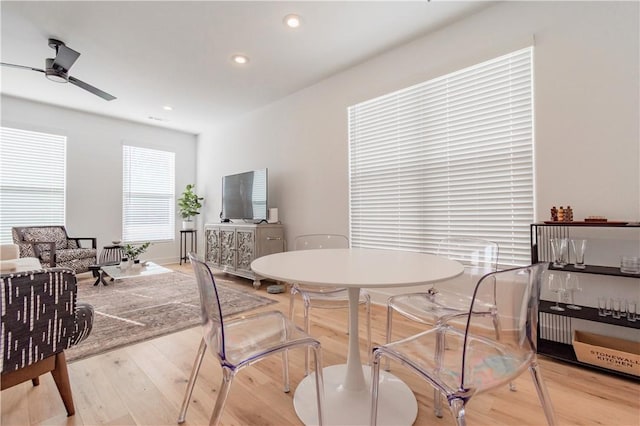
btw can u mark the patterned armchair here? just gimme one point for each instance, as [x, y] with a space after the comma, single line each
[40, 319]
[53, 247]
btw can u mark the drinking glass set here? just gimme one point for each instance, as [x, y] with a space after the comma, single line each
[560, 252]
[563, 283]
[618, 308]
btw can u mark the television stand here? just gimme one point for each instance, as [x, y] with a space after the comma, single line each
[231, 247]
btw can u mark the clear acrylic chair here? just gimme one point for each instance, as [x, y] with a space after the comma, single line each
[324, 297]
[460, 362]
[243, 341]
[451, 299]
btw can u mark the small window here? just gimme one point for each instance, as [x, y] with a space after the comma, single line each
[148, 195]
[32, 179]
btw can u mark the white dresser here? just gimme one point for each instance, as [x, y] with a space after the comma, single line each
[231, 247]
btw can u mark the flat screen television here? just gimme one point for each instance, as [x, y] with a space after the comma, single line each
[244, 196]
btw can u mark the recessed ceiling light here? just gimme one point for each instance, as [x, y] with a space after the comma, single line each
[240, 59]
[167, 108]
[292, 21]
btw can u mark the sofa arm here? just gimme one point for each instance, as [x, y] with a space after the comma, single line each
[39, 316]
[78, 239]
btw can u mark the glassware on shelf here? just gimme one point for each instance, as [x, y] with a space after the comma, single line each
[556, 285]
[616, 305]
[602, 306]
[560, 252]
[572, 284]
[579, 247]
[630, 265]
[631, 310]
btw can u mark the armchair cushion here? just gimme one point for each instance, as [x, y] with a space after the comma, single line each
[65, 255]
[54, 234]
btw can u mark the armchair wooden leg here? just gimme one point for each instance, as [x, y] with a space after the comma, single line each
[35, 381]
[61, 377]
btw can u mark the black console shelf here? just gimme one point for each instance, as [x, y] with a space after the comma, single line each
[587, 313]
[540, 252]
[594, 269]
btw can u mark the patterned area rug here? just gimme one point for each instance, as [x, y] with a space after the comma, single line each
[131, 310]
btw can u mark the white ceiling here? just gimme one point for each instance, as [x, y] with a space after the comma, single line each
[177, 53]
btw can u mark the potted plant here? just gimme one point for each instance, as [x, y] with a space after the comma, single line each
[189, 205]
[133, 252]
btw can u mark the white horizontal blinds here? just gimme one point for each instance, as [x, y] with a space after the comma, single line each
[448, 157]
[148, 205]
[32, 179]
[258, 191]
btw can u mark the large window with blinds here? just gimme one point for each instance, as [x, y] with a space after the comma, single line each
[452, 156]
[32, 179]
[148, 204]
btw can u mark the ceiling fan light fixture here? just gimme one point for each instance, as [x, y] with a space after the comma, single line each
[240, 59]
[167, 108]
[292, 21]
[57, 76]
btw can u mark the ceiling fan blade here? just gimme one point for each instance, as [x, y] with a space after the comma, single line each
[65, 57]
[90, 88]
[4, 64]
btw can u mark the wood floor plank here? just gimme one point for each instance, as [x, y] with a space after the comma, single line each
[144, 385]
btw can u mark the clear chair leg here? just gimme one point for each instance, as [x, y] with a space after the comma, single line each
[317, 354]
[439, 354]
[387, 361]
[285, 371]
[543, 394]
[375, 380]
[457, 408]
[307, 329]
[223, 393]
[496, 326]
[192, 381]
[368, 308]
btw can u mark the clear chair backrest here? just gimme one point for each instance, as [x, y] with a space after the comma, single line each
[211, 311]
[488, 361]
[479, 257]
[321, 241]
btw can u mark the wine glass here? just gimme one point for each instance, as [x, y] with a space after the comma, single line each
[572, 284]
[556, 285]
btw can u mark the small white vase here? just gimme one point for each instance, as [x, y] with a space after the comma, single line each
[188, 225]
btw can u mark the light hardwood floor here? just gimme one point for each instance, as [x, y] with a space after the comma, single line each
[144, 384]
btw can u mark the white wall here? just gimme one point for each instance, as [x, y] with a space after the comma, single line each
[94, 166]
[587, 142]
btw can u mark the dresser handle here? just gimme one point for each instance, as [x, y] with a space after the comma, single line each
[274, 238]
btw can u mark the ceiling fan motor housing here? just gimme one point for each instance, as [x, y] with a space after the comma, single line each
[53, 74]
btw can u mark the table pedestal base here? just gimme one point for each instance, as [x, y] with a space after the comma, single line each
[397, 404]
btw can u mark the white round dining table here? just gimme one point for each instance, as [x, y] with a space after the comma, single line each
[347, 387]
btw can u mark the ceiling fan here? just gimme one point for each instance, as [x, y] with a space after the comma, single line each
[57, 69]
